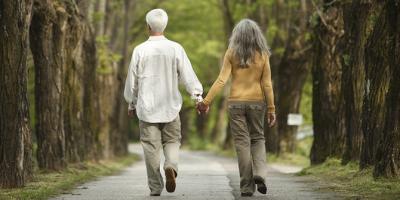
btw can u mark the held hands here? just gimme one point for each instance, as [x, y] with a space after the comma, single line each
[202, 108]
[271, 117]
[131, 113]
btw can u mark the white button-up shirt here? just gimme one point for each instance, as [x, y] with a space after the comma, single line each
[152, 85]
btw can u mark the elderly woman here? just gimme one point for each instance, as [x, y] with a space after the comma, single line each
[247, 60]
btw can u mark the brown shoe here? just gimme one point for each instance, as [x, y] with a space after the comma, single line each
[170, 182]
[261, 187]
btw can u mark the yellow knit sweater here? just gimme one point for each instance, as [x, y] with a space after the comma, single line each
[252, 83]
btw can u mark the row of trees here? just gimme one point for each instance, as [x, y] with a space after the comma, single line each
[77, 84]
[286, 26]
[351, 49]
[76, 53]
[356, 84]
[78, 57]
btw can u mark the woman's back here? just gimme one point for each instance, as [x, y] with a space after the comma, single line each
[246, 81]
[249, 83]
[247, 59]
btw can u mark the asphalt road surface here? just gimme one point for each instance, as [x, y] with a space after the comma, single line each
[202, 176]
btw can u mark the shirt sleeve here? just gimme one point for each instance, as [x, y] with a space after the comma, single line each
[131, 83]
[266, 84]
[223, 77]
[188, 77]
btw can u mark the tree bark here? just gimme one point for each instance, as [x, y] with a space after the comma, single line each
[216, 133]
[221, 128]
[73, 78]
[292, 74]
[387, 35]
[327, 98]
[15, 132]
[47, 41]
[279, 12]
[86, 59]
[91, 106]
[118, 128]
[376, 87]
[106, 81]
[353, 76]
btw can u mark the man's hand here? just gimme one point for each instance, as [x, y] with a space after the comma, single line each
[131, 113]
[202, 108]
[271, 117]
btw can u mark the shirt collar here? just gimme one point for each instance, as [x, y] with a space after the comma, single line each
[155, 38]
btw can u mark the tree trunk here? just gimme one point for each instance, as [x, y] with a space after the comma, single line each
[327, 100]
[221, 127]
[279, 12]
[100, 8]
[385, 40]
[388, 154]
[217, 131]
[73, 75]
[47, 41]
[353, 76]
[15, 132]
[118, 131]
[87, 61]
[201, 126]
[105, 81]
[292, 74]
[376, 87]
[91, 107]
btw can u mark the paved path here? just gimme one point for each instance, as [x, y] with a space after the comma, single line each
[202, 176]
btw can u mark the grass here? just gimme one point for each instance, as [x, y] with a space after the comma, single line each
[352, 183]
[299, 158]
[45, 185]
[289, 159]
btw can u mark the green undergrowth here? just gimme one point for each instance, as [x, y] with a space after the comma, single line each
[348, 181]
[300, 157]
[44, 185]
[289, 159]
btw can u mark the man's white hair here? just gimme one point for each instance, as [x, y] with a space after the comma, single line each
[157, 19]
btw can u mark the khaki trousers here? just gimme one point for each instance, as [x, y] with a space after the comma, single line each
[154, 137]
[246, 121]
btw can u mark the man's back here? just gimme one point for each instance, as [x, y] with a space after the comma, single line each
[158, 65]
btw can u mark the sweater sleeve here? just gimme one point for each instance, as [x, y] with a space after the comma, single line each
[266, 84]
[223, 77]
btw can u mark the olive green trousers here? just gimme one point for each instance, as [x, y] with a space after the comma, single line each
[246, 121]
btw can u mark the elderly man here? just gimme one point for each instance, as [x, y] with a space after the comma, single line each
[151, 89]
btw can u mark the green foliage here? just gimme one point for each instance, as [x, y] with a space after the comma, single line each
[314, 19]
[106, 58]
[306, 102]
[198, 27]
[97, 17]
[299, 158]
[346, 59]
[352, 183]
[31, 93]
[44, 184]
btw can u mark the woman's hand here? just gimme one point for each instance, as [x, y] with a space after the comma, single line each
[202, 108]
[271, 117]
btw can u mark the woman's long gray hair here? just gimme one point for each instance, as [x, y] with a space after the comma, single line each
[246, 40]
